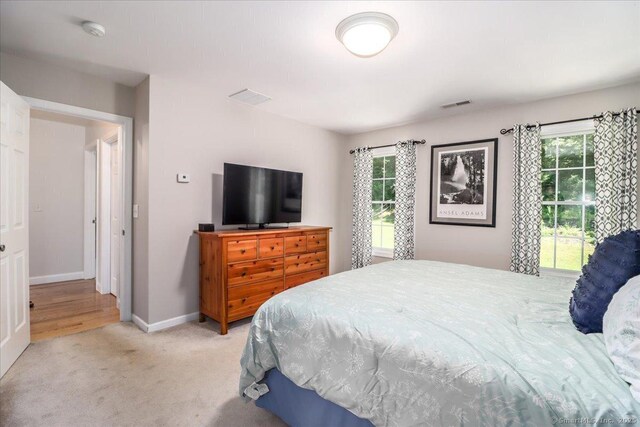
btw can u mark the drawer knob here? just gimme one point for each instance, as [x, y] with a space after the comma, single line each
[297, 245]
[273, 248]
[243, 251]
[244, 273]
[243, 300]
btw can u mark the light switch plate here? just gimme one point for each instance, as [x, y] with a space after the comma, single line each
[135, 211]
[184, 178]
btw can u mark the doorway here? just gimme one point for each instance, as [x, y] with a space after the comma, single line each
[75, 237]
[15, 209]
[124, 184]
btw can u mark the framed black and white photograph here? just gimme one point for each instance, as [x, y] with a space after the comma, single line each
[463, 183]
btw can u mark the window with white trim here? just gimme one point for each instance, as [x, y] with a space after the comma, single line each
[383, 201]
[568, 198]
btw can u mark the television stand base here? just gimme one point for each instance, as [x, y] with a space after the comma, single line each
[263, 227]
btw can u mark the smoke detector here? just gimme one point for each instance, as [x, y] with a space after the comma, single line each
[94, 29]
[456, 104]
[249, 97]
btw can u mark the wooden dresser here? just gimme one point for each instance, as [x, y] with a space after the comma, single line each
[241, 269]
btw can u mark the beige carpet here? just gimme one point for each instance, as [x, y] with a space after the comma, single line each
[120, 376]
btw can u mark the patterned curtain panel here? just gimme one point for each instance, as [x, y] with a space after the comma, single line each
[362, 210]
[615, 153]
[527, 200]
[403, 238]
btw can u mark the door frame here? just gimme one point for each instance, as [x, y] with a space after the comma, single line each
[105, 194]
[90, 214]
[126, 135]
[103, 213]
[113, 141]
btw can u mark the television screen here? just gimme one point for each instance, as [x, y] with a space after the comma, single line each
[260, 196]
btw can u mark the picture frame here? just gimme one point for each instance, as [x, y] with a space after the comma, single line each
[463, 183]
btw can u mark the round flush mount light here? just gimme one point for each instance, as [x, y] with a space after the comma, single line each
[94, 28]
[366, 34]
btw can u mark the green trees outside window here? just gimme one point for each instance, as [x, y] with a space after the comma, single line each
[568, 201]
[384, 201]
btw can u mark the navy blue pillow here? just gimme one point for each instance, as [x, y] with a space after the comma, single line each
[613, 263]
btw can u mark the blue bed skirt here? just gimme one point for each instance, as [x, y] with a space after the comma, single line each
[299, 407]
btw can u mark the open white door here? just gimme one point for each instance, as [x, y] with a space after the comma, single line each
[115, 227]
[14, 231]
[109, 215]
[103, 273]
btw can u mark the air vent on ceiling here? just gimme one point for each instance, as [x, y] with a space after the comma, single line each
[456, 104]
[249, 97]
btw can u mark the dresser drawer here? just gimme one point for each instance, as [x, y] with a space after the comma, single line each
[269, 248]
[295, 244]
[305, 262]
[254, 271]
[244, 300]
[293, 280]
[241, 308]
[316, 241]
[239, 250]
[248, 290]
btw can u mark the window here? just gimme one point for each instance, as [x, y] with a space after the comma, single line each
[568, 200]
[384, 202]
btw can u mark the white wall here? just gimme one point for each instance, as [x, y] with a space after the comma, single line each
[99, 130]
[195, 133]
[39, 79]
[141, 198]
[56, 191]
[487, 247]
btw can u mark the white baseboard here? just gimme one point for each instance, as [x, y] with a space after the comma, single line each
[65, 277]
[164, 324]
[144, 326]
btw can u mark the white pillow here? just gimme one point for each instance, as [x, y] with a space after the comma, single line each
[621, 330]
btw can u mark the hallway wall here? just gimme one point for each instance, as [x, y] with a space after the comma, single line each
[56, 193]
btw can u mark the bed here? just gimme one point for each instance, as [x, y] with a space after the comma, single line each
[407, 343]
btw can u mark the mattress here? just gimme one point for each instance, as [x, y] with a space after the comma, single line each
[407, 343]
[300, 407]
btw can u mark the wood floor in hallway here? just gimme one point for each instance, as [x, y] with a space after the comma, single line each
[65, 308]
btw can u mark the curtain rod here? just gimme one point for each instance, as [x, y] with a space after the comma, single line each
[392, 145]
[506, 131]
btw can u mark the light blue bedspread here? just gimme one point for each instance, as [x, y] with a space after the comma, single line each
[408, 343]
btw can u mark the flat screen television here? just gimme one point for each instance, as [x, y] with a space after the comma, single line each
[257, 197]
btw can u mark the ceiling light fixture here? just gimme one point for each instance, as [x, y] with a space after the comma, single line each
[94, 29]
[367, 34]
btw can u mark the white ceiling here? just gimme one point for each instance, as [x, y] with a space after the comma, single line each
[494, 53]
